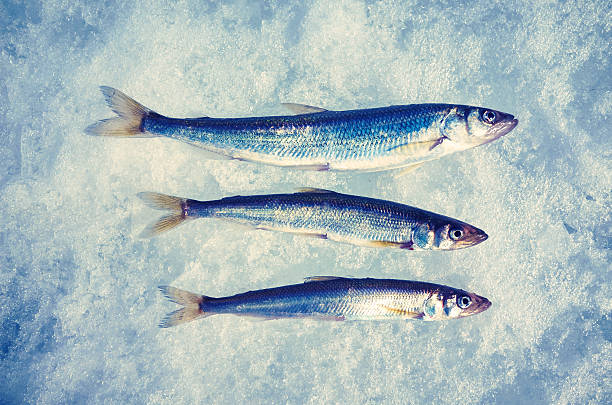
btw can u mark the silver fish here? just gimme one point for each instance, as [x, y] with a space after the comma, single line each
[333, 298]
[325, 214]
[402, 136]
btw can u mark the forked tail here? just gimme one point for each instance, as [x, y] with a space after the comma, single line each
[130, 117]
[192, 306]
[176, 205]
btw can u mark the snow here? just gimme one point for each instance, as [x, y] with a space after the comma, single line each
[79, 306]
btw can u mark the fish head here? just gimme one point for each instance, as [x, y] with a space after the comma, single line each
[465, 127]
[453, 304]
[448, 234]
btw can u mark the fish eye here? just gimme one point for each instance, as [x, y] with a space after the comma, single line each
[456, 234]
[464, 301]
[489, 116]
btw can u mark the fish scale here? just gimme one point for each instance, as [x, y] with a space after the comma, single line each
[332, 214]
[342, 297]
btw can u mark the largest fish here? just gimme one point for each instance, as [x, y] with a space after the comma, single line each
[364, 140]
[326, 214]
[333, 298]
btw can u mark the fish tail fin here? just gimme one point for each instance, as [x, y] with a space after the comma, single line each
[128, 123]
[192, 306]
[176, 205]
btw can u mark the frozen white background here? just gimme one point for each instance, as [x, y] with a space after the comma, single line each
[79, 305]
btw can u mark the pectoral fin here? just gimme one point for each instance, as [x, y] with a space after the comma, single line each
[416, 149]
[403, 312]
[302, 108]
[384, 243]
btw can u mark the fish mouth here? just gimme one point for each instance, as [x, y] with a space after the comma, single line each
[502, 128]
[473, 236]
[479, 304]
[482, 304]
[480, 236]
[510, 125]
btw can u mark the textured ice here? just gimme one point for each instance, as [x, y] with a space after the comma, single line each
[78, 301]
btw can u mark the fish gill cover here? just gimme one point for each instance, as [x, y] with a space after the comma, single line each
[78, 298]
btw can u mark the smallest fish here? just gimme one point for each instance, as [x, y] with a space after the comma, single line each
[333, 298]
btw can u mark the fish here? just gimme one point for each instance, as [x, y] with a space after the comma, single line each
[368, 140]
[324, 214]
[333, 298]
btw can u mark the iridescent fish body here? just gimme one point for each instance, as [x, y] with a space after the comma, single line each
[317, 139]
[325, 214]
[334, 298]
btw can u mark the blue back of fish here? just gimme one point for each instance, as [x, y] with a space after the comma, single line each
[328, 135]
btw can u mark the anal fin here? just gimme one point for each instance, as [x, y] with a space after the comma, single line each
[316, 167]
[315, 235]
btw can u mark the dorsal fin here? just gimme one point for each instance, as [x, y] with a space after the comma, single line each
[315, 190]
[302, 108]
[204, 118]
[320, 278]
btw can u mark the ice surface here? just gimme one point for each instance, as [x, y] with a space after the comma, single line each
[78, 301]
